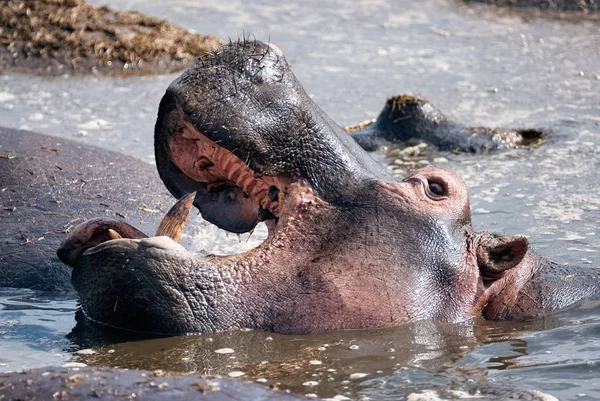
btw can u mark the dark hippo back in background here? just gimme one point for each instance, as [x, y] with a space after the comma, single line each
[48, 185]
[554, 5]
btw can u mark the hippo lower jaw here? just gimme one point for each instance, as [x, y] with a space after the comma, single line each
[154, 285]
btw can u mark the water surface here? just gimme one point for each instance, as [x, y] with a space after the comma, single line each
[477, 64]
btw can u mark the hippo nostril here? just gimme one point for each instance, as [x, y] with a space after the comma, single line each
[273, 193]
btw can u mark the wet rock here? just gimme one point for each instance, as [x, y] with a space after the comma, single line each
[70, 36]
[117, 384]
[556, 5]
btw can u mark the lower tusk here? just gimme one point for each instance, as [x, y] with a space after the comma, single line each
[173, 223]
[113, 234]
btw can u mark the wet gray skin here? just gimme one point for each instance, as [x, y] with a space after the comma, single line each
[349, 247]
[49, 186]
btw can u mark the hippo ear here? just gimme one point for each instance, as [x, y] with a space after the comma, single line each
[497, 254]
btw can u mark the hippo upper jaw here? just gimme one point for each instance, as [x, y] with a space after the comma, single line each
[245, 99]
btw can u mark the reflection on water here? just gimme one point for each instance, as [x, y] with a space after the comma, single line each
[563, 348]
[32, 329]
[393, 361]
[479, 66]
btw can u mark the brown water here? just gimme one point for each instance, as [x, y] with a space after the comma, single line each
[480, 65]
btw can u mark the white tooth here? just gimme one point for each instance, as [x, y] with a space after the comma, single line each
[113, 234]
[173, 223]
[187, 134]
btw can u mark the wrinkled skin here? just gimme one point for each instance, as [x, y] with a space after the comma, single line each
[117, 384]
[349, 246]
[406, 117]
[50, 185]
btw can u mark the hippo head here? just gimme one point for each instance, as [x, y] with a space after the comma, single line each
[348, 247]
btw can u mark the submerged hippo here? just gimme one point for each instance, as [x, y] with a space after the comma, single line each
[48, 186]
[554, 5]
[407, 117]
[349, 246]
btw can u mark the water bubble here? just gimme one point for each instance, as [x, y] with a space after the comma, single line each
[36, 117]
[86, 351]
[224, 351]
[73, 365]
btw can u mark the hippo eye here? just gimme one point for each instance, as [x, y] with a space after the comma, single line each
[436, 189]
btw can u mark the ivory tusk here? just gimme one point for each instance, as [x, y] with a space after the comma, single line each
[173, 223]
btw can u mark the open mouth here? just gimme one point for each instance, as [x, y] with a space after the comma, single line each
[209, 174]
[220, 173]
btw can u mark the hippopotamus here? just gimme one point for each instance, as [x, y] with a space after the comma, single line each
[349, 246]
[406, 117]
[119, 384]
[51, 184]
[48, 185]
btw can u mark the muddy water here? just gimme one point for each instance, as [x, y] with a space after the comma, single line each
[480, 65]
